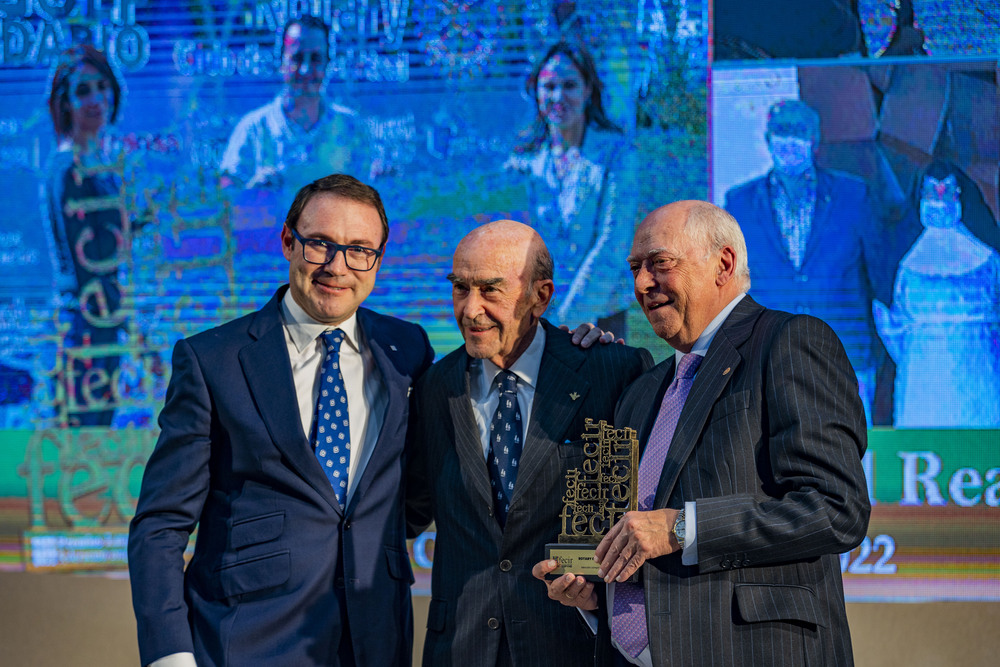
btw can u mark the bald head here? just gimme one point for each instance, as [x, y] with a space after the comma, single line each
[514, 239]
[688, 260]
[501, 285]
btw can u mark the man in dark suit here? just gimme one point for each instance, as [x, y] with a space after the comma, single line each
[817, 245]
[760, 486]
[282, 440]
[489, 459]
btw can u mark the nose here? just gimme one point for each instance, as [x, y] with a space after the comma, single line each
[644, 281]
[472, 305]
[337, 265]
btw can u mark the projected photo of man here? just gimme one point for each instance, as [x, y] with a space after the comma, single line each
[579, 173]
[816, 243]
[943, 330]
[90, 229]
[299, 135]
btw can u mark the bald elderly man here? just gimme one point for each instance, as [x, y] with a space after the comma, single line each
[499, 421]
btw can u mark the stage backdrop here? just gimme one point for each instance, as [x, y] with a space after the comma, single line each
[146, 180]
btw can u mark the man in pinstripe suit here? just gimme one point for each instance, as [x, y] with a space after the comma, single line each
[761, 485]
[486, 609]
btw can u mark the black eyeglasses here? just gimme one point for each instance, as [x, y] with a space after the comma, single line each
[357, 257]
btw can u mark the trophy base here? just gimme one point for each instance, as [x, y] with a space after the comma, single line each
[575, 558]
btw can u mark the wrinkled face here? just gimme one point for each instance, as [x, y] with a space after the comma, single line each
[496, 305]
[304, 57]
[791, 155]
[91, 99]
[561, 92]
[675, 279]
[940, 205]
[331, 292]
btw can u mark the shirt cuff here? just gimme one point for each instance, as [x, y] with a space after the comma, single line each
[689, 556]
[175, 660]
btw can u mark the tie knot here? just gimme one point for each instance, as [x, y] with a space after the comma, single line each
[333, 339]
[688, 366]
[506, 382]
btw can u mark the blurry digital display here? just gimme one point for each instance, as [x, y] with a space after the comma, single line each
[151, 150]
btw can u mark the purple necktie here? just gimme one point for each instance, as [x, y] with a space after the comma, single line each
[628, 625]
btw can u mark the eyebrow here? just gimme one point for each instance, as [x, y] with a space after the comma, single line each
[652, 253]
[476, 283]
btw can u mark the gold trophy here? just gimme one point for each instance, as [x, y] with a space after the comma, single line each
[597, 495]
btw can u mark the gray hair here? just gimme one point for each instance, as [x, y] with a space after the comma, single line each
[716, 228]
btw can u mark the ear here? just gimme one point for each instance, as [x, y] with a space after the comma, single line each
[726, 266]
[287, 243]
[542, 290]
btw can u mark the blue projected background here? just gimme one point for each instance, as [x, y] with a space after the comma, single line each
[168, 223]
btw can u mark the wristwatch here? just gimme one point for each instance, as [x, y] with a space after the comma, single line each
[678, 529]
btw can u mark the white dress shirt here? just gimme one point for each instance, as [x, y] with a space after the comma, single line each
[484, 394]
[367, 397]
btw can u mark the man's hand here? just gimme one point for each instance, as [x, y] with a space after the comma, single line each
[587, 334]
[632, 541]
[569, 589]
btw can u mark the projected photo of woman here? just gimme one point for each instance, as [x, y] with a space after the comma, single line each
[89, 229]
[943, 330]
[579, 172]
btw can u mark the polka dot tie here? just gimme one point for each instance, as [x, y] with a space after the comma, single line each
[505, 444]
[333, 428]
[628, 623]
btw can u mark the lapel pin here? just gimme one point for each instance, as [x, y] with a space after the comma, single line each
[726, 372]
[574, 395]
[393, 348]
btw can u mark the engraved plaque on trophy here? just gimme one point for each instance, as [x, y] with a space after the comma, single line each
[597, 495]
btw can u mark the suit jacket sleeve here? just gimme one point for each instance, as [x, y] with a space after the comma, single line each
[810, 496]
[174, 488]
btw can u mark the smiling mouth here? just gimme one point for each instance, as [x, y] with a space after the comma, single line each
[658, 305]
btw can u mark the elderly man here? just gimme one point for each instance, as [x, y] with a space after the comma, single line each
[750, 481]
[499, 421]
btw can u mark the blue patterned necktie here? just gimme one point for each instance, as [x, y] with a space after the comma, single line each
[333, 428]
[628, 626]
[505, 444]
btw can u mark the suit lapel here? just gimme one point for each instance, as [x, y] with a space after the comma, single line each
[721, 361]
[266, 366]
[764, 217]
[820, 216]
[553, 408]
[396, 398]
[468, 442]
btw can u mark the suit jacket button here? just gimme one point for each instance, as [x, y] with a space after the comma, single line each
[493, 623]
[347, 525]
[737, 563]
[339, 582]
[725, 565]
[489, 511]
[505, 565]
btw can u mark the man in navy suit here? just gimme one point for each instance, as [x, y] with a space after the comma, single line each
[817, 246]
[493, 520]
[761, 484]
[289, 567]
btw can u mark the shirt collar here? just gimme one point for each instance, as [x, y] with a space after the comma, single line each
[705, 339]
[526, 367]
[303, 329]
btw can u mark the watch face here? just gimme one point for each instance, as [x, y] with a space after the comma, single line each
[679, 530]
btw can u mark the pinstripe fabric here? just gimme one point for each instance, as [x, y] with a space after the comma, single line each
[483, 573]
[769, 445]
